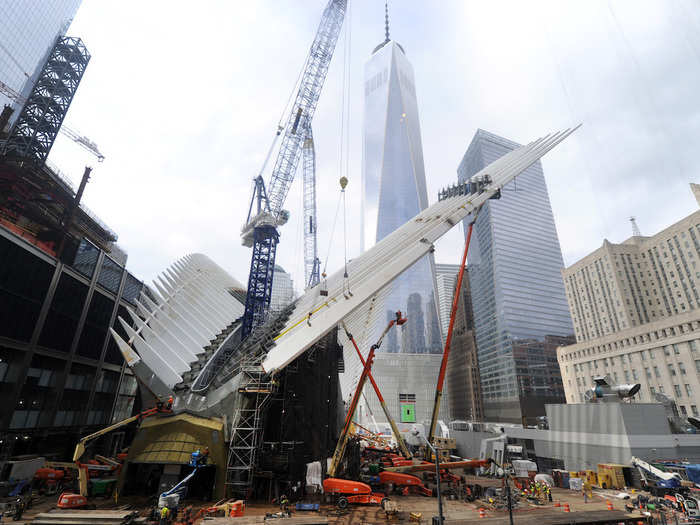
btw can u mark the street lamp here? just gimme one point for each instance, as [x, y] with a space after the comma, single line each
[440, 519]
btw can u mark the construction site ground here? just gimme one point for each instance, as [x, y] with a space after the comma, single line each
[456, 512]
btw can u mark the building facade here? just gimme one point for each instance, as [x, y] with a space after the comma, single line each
[408, 387]
[27, 35]
[463, 380]
[394, 191]
[282, 289]
[636, 313]
[61, 375]
[517, 292]
[445, 280]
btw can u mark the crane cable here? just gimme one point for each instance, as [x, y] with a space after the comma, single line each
[343, 159]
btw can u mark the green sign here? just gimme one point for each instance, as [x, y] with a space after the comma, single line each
[408, 412]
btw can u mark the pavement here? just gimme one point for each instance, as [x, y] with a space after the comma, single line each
[456, 512]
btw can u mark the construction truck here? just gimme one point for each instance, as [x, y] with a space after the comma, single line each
[658, 481]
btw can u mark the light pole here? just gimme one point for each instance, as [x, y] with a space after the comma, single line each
[440, 517]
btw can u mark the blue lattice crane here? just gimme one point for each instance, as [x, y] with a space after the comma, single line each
[265, 213]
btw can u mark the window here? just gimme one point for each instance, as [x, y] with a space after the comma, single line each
[667, 350]
[64, 314]
[24, 280]
[693, 346]
[676, 351]
[677, 390]
[656, 371]
[652, 390]
[694, 410]
[661, 389]
[643, 354]
[671, 370]
[683, 410]
[697, 365]
[688, 390]
[681, 367]
[634, 374]
[627, 375]
[647, 372]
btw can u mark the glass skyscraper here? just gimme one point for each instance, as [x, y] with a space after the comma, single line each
[520, 309]
[394, 191]
[28, 32]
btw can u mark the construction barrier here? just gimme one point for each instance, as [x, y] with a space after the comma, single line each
[609, 504]
[566, 507]
[482, 512]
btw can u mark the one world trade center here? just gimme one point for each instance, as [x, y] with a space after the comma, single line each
[394, 191]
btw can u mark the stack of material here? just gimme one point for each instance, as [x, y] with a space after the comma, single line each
[85, 517]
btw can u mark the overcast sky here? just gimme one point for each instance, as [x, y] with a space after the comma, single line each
[183, 98]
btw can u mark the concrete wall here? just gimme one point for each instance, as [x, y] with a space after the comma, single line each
[587, 434]
[469, 443]
[406, 374]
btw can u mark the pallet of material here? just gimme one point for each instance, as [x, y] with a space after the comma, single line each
[85, 517]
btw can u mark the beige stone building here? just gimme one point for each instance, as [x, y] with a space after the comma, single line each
[636, 313]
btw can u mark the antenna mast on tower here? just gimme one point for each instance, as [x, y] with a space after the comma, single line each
[635, 228]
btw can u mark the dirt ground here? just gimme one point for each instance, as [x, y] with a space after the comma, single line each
[371, 514]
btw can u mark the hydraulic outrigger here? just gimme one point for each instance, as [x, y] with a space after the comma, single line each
[344, 435]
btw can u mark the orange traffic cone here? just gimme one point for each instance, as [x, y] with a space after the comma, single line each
[557, 503]
[566, 507]
[482, 512]
[610, 505]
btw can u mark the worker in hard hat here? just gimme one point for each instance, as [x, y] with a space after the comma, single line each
[164, 515]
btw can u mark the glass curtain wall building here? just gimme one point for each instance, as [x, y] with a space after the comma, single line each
[520, 310]
[28, 32]
[60, 371]
[394, 191]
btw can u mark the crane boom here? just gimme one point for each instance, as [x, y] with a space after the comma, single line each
[312, 264]
[260, 230]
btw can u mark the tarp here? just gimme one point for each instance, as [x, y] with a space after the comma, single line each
[693, 472]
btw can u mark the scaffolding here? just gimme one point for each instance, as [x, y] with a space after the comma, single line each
[248, 426]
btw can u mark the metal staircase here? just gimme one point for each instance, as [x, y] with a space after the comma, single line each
[248, 426]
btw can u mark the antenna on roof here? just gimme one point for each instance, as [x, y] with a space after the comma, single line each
[635, 228]
[386, 20]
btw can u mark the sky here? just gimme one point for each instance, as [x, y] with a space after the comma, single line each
[183, 98]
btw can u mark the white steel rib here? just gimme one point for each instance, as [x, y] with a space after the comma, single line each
[316, 314]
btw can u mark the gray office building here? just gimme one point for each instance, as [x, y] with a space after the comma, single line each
[28, 32]
[394, 191]
[520, 309]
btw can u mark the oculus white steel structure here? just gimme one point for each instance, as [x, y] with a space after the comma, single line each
[186, 340]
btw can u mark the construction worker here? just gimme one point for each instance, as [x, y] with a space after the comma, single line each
[164, 515]
[284, 503]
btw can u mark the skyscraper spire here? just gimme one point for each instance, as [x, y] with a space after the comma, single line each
[386, 20]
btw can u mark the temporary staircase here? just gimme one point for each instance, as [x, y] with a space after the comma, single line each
[248, 427]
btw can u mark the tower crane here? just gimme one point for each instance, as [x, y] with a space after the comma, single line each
[76, 137]
[312, 264]
[265, 212]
